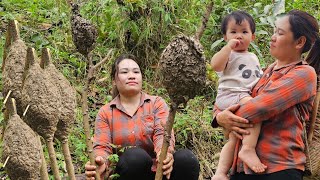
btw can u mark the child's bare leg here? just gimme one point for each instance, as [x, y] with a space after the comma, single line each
[226, 159]
[248, 152]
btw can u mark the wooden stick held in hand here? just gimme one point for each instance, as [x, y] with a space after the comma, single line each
[166, 140]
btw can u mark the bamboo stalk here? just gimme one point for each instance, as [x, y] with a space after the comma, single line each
[53, 159]
[68, 160]
[166, 140]
[44, 169]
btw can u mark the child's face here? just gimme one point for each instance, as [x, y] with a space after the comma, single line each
[240, 32]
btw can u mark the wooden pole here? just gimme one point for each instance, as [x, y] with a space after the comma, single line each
[44, 169]
[166, 140]
[53, 159]
[313, 116]
[68, 160]
[85, 112]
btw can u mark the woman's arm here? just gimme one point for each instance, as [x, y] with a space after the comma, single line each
[296, 86]
[102, 134]
[161, 113]
[230, 122]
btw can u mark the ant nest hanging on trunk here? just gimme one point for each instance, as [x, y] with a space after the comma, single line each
[84, 34]
[42, 97]
[21, 149]
[67, 94]
[183, 68]
[13, 65]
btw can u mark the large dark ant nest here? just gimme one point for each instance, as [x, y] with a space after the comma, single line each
[183, 68]
[42, 97]
[21, 146]
[67, 94]
[13, 71]
[84, 34]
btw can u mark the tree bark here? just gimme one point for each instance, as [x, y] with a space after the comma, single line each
[53, 159]
[166, 140]
[68, 160]
[204, 21]
[44, 169]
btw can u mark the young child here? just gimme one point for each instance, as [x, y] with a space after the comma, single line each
[239, 71]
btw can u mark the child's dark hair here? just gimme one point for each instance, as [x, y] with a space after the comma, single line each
[304, 24]
[239, 17]
[115, 68]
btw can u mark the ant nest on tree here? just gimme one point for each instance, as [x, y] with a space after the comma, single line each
[42, 97]
[22, 150]
[67, 93]
[13, 71]
[183, 68]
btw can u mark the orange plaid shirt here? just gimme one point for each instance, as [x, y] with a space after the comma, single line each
[276, 96]
[114, 126]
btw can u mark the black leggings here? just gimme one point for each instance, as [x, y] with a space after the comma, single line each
[135, 164]
[290, 174]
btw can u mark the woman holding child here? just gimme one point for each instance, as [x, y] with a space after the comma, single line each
[281, 98]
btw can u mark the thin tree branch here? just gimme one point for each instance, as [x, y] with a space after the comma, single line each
[205, 20]
[104, 60]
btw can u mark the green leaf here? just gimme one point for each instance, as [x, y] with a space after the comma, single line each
[267, 9]
[256, 48]
[263, 20]
[271, 20]
[167, 17]
[260, 32]
[216, 43]
[113, 158]
[114, 176]
[257, 4]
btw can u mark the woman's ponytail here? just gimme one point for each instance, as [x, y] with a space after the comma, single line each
[313, 57]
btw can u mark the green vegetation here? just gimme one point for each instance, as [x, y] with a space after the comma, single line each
[143, 28]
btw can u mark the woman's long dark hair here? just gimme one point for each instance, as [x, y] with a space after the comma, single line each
[304, 24]
[115, 70]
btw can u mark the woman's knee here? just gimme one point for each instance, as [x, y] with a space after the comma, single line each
[186, 165]
[134, 162]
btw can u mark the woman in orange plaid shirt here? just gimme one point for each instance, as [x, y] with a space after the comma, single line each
[282, 98]
[135, 119]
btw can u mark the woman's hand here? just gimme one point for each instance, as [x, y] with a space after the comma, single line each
[233, 123]
[167, 164]
[91, 169]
